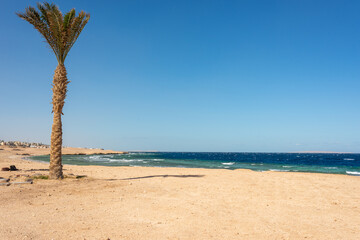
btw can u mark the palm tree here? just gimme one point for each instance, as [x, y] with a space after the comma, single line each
[60, 32]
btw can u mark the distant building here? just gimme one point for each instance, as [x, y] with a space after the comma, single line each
[23, 144]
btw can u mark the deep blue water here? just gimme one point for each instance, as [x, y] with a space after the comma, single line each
[287, 162]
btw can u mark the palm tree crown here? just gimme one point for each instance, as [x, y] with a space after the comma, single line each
[59, 31]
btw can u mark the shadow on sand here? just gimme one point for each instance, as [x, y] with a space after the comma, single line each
[39, 170]
[31, 170]
[159, 176]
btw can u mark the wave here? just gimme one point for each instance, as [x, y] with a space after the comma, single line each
[228, 163]
[126, 160]
[353, 173]
[97, 158]
[349, 159]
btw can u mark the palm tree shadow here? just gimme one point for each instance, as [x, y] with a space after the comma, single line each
[39, 169]
[159, 176]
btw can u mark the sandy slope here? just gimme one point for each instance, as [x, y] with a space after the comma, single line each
[175, 203]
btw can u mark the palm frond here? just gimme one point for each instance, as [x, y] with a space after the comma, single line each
[68, 18]
[43, 13]
[76, 27]
[35, 18]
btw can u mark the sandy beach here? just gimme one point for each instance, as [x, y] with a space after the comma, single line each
[173, 203]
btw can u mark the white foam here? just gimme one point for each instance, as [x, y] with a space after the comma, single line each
[126, 160]
[331, 167]
[353, 173]
[228, 163]
[98, 159]
[349, 159]
[278, 170]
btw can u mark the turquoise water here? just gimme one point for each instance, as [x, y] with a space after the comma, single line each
[285, 162]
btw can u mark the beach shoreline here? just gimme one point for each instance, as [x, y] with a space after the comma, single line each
[328, 163]
[174, 203]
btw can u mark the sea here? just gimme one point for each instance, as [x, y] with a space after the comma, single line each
[333, 163]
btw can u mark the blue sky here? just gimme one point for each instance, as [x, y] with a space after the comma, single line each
[259, 76]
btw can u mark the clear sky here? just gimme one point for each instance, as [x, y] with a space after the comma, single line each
[191, 76]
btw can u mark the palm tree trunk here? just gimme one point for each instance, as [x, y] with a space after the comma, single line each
[56, 145]
[59, 93]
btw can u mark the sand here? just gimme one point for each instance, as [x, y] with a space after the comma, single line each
[175, 203]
